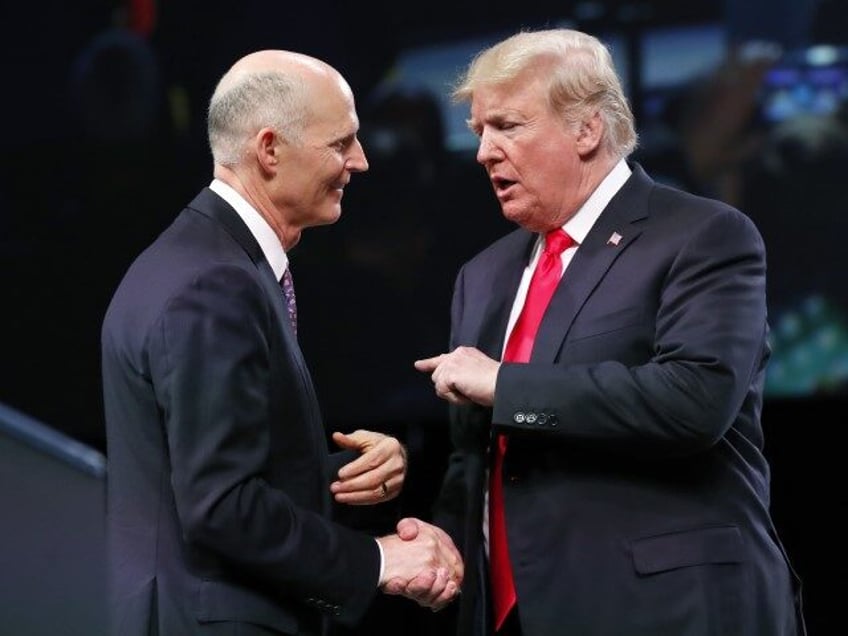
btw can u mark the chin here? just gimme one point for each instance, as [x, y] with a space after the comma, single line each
[516, 215]
[331, 216]
[531, 218]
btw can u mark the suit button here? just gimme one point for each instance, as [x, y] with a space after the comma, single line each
[552, 419]
[531, 418]
[543, 419]
[519, 417]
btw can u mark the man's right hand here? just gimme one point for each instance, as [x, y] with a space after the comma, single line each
[421, 563]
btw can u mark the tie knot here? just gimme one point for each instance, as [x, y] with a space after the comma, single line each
[557, 241]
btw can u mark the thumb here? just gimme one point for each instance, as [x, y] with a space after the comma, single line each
[407, 528]
[345, 441]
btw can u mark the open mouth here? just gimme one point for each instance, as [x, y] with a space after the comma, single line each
[502, 186]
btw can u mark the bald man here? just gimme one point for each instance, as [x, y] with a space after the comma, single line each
[219, 476]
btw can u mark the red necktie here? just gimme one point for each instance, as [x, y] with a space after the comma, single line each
[542, 285]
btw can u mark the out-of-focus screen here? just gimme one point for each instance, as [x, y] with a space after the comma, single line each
[671, 57]
[812, 81]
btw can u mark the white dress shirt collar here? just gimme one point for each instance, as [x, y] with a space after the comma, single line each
[578, 226]
[258, 226]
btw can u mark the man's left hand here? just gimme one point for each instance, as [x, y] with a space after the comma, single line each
[377, 475]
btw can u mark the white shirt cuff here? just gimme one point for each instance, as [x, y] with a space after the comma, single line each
[382, 564]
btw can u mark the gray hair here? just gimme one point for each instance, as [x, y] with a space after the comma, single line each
[582, 81]
[242, 107]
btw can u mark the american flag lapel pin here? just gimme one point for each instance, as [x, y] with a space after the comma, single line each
[614, 239]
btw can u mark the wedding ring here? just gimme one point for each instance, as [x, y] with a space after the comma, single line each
[385, 489]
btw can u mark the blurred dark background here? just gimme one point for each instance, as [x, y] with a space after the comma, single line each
[105, 102]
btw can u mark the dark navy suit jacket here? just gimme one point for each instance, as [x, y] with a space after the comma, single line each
[218, 465]
[635, 487]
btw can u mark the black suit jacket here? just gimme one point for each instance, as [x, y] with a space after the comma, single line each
[218, 466]
[635, 487]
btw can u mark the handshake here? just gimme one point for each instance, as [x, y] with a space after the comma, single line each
[422, 563]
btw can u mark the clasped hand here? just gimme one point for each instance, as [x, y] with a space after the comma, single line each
[422, 563]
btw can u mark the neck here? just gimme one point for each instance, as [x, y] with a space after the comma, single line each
[259, 199]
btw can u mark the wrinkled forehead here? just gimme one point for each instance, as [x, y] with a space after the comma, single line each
[529, 85]
[332, 109]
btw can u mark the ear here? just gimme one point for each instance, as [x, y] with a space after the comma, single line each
[266, 145]
[589, 135]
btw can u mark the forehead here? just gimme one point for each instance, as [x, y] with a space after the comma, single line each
[332, 109]
[523, 95]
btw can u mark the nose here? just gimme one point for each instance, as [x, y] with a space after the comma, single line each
[357, 162]
[487, 150]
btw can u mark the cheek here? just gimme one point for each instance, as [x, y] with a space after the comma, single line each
[330, 171]
[540, 168]
[556, 162]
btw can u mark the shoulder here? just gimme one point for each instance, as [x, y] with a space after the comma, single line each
[518, 241]
[184, 270]
[672, 207]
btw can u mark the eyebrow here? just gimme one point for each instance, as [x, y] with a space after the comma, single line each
[495, 117]
[345, 139]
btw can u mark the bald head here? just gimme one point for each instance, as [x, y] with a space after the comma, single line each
[286, 62]
[269, 88]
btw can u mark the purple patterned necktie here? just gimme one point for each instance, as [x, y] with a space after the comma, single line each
[288, 293]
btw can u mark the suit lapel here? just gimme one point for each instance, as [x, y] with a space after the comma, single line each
[614, 231]
[506, 277]
[214, 207]
[211, 205]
